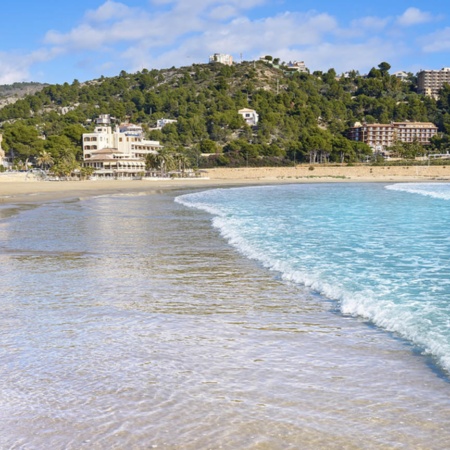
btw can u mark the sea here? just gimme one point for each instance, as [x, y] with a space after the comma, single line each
[294, 316]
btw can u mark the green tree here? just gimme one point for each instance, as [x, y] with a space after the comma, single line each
[342, 150]
[163, 160]
[23, 141]
[384, 68]
[45, 160]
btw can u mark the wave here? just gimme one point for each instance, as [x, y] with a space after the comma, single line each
[418, 316]
[434, 190]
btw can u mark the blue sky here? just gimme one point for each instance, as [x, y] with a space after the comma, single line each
[56, 41]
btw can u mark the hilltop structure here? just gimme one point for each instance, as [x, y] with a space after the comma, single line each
[380, 136]
[430, 82]
[118, 153]
[401, 75]
[298, 66]
[221, 58]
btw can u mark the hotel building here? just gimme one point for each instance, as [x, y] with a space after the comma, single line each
[430, 82]
[118, 153]
[380, 136]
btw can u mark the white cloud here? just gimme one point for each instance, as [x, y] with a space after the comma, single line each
[149, 35]
[168, 33]
[109, 10]
[361, 56]
[370, 23]
[131, 26]
[414, 16]
[436, 42]
[15, 67]
[223, 12]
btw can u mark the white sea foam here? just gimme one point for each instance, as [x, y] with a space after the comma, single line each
[435, 190]
[362, 261]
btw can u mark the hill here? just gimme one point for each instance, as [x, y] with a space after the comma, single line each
[303, 117]
[10, 93]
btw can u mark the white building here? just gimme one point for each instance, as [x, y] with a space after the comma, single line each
[250, 116]
[401, 75]
[160, 123]
[118, 153]
[299, 66]
[221, 58]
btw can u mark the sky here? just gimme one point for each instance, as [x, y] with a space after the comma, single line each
[54, 41]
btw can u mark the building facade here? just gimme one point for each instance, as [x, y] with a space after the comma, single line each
[299, 66]
[381, 136]
[221, 58]
[250, 116]
[117, 153]
[401, 75]
[2, 152]
[430, 82]
[161, 123]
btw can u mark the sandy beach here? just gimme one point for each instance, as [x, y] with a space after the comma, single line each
[131, 321]
[16, 188]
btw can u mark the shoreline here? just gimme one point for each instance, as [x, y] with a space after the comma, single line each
[212, 332]
[19, 188]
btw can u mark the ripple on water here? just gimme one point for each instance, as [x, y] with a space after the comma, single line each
[169, 338]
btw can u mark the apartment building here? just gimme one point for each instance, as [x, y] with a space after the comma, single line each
[380, 136]
[120, 152]
[429, 82]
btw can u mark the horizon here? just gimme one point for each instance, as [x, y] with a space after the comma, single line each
[54, 44]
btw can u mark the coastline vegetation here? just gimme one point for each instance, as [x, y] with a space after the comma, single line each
[303, 117]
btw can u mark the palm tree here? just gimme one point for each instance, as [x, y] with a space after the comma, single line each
[166, 156]
[163, 160]
[45, 160]
[183, 162]
[152, 161]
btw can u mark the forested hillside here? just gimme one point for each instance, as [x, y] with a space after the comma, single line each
[302, 116]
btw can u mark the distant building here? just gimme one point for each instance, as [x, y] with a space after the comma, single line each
[110, 163]
[250, 116]
[161, 123]
[2, 152]
[103, 119]
[299, 66]
[381, 136]
[118, 153]
[401, 75]
[430, 82]
[221, 58]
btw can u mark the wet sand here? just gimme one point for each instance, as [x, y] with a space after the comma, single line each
[224, 354]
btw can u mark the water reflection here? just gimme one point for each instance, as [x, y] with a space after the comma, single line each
[124, 329]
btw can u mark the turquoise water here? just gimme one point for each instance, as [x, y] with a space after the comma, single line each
[129, 322]
[380, 252]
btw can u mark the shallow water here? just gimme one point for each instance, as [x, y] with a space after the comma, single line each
[128, 322]
[382, 252]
